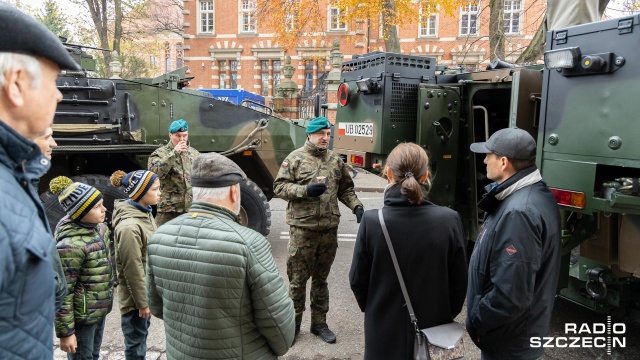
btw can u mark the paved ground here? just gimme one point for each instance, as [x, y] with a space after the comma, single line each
[344, 316]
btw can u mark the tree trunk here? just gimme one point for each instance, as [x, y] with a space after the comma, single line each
[98, 10]
[496, 30]
[391, 41]
[117, 34]
[534, 51]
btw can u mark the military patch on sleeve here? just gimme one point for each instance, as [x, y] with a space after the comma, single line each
[285, 164]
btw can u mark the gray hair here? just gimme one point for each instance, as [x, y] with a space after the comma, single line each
[210, 195]
[28, 63]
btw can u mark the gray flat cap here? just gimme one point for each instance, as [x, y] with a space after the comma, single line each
[513, 143]
[213, 170]
[22, 34]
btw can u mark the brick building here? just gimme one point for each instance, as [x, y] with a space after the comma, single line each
[225, 47]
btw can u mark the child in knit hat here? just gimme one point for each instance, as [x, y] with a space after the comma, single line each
[133, 225]
[88, 262]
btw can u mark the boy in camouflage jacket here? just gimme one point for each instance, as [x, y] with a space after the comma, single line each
[88, 262]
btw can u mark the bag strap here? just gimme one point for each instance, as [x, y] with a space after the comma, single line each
[412, 315]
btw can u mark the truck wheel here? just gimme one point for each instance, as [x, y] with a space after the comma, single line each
[254, 212]
[55, 212]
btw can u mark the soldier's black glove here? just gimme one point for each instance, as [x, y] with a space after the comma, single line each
[359, 211]
[315, 190]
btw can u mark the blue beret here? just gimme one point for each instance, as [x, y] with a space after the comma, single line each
[178, 126]
[22, 34]
[318, 124]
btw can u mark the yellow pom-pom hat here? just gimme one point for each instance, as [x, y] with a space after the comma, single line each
[135, 184]
[77, 199]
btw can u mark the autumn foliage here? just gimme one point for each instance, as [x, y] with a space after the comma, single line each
[290, 19]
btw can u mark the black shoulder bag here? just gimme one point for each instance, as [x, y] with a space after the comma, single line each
[442, 342]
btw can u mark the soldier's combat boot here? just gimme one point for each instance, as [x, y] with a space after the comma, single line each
[322, 330]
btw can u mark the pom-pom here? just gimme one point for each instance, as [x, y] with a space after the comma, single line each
[116, 178]
[58, 184]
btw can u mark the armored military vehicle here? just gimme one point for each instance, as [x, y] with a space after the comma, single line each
[103, 125]
[581, 108]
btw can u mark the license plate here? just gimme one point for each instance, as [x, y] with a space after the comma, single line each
[356, 129]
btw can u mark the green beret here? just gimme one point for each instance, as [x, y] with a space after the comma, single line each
[318, 124]
[178, 126]
[22, 34]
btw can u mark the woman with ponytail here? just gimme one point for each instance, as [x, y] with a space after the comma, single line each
[429, 244]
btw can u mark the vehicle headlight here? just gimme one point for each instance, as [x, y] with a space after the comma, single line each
[563, 58]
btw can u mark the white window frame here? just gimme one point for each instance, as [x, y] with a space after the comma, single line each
[290, 21]
[246, 16]
[511, 13]
[469, 11]
[338, 15]
[432, 20]
[210, 12]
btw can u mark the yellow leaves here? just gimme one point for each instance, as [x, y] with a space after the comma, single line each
[289, 20]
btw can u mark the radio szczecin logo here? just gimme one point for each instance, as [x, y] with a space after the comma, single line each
[598, 335]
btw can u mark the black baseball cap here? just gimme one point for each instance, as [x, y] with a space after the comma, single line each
[22, 34]
[513, 143]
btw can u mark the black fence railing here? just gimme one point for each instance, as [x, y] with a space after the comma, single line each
[310, 101]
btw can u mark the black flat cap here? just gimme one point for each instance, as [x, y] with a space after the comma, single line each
[22, 34]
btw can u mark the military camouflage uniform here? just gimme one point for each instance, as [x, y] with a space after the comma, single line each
[88, 260]
[174, 171]
[313, 222]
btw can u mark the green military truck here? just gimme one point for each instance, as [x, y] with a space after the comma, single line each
[103, 125]
[581, 107]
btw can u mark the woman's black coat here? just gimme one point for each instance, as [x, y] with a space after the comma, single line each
[430, 247]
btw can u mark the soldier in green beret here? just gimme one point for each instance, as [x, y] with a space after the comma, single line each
[313, 179]
[172, 163]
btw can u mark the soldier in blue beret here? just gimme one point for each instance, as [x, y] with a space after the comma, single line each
[30, 59]
[313, 179]
[175, 186]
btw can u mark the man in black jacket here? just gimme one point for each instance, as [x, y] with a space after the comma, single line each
[513, 273]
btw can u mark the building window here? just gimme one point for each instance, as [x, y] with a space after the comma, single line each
[167, 56]
[512, 11]
[277, 66]
[152, 61]
[264, 77]
[428, 23]
[290, 21]
[234, 74]
[247, 16]
[179, 55]
[222, 69]
[206, 16]
[469, 20]
[308, 76]
[335, 18]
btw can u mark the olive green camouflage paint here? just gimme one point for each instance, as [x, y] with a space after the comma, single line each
[311, 254]
[300, 169]
[88, 261]
[174, 171]
[313, 222]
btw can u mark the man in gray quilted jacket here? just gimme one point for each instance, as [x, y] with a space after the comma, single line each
[213, 281]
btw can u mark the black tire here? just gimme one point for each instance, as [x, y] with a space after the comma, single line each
[55, 212]
[255, 212]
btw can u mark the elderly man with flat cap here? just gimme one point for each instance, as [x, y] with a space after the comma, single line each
[30, 59]
[172, 163]
[515, 263]
[213, 281]
[313, 179]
